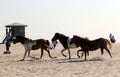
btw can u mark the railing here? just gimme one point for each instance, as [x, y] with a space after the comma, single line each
[2, 34]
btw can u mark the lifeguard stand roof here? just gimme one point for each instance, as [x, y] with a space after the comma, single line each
[16, 25]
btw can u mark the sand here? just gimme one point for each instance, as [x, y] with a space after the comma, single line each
[95, 66]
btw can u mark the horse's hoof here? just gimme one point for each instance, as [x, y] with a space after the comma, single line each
[7, 52]
[22, 60]
[54, 57]
[40, 58]
[32, 57]
[64, 55]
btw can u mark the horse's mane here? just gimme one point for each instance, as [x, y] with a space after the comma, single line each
[61, 35]
[82, 38]
[85, 38]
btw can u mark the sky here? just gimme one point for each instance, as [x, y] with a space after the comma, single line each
[87, 18]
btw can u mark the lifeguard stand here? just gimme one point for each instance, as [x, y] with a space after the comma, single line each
[13, 30]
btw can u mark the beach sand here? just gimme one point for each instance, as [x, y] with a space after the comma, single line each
[95, 66]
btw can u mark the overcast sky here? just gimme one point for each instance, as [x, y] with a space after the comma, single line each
[88, 18]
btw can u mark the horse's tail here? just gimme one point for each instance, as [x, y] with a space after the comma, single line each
[109, 43]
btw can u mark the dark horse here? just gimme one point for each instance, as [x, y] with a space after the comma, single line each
[91, 45]
[65, 41]
[32, 45]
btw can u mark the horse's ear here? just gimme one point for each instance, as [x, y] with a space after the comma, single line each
[74, 35]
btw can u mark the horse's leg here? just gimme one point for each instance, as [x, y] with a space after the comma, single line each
[78, 53]
[69, 53]
[82, 54]
[108, 51]
[102, 51]
[85, 55]
[62, 52]
[29, 53]
[24, 55]
[88, 53]
[41, 53]
[49, 53]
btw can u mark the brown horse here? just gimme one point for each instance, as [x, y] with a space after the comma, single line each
[32, 45]
[91, 45]
[65, 41]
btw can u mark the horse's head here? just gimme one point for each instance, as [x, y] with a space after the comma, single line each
[18, 39]
[73, 39]
[54, 39]
[53, 45]
[76, 40]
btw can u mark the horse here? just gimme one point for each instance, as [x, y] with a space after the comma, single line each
[91, 45]
[65, 41]
[32, 45]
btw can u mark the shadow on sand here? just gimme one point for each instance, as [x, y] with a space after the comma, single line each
[77, 60]
[65, 60]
